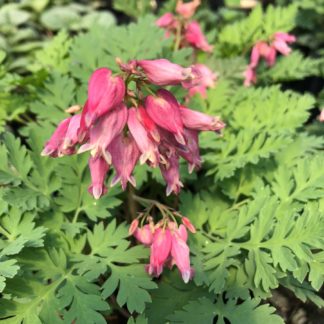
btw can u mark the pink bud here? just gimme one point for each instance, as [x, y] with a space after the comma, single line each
[187, 10]
[124, 154]
[133, 226]
[250, 77]
[104, 131]
[104, 93]
[146, 146]
[186, 222]
[171, 175]
[195, 37]
[64, 138]
[199, 121]
[98, 169]
[181, 254]
[281, 41]
[162, 72]
[321, 116]
[160, 250]
[165, 21]
[144, 235]
[164, 111]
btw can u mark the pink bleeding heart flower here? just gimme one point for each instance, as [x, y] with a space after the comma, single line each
[171, 175]
[195, 37]
[98, 169]
[188, 9]
[164, 111]
[281, 41]
[104, 93]
[104, 131]
[144, 235]
[262, 49]
[148, 123]
[166, 21]
[146, 146]
[124, 154]
[180, 253]
[205, 78]
[160, 250]
[162, 72]
[64, 138]
[199, 121]
[191, 154]
[250, 77]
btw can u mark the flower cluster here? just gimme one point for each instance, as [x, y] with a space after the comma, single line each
[267, 51]
[167, 242]
[121, 125]
[187, 32]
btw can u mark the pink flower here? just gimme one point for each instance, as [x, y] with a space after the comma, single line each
[250, 76]
[166, 21]
[104, 93]
[164, 111]
[205, 78]
[187, 10]
[64, 138]
[104, 131]
[144, 235]
[281, 41]
[160, 250]
[191, 154]
[195, 37]
[124, 154]
[199, 121]
[262, 49]
[180, 253]
[146, 146]
[171, 175]
[162, 72]
[98, 169]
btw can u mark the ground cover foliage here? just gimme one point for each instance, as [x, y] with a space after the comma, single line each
[257, 202]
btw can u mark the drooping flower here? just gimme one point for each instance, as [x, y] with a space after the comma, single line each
[281, 41]
[160, 250]
[199, 121]
[171, 175]
[166, 21]
[162, 72]
[188, 9]
[144, 235]
[164, 111]
[104, 93]
[146, 146]
[98, 169]
[64, 138]
[104, 131]
[124, 153]
[180, 253]
[195, 37]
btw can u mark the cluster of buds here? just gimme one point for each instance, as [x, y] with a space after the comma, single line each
[187, 32]
[167, 241]
[121, 125]
[267, 51]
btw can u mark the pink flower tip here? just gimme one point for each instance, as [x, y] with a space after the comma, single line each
[186, 222]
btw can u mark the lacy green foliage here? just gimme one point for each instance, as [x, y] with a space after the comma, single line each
[261, 122]
[257, 203]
